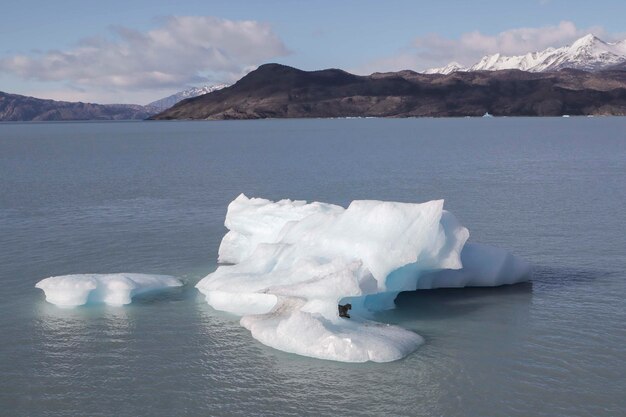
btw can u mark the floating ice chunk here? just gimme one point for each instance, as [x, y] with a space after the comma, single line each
[295, 262]
[294, 330]
[114, 289]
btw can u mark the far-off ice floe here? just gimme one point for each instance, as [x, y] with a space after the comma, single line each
[293, 263]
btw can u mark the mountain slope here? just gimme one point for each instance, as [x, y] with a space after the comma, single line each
[169, 101]
[588, 53]
[15, 107]
[278, 91]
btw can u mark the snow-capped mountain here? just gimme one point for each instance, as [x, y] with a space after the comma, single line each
[167, 102]
[448, 69]
[588, 53]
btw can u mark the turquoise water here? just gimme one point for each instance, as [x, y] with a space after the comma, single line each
[151, 197]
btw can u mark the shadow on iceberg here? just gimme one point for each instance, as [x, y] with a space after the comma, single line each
[446, 303]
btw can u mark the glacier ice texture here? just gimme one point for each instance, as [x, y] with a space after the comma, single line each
[286, 266]
[112, 289]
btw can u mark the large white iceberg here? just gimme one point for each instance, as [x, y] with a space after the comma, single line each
[293, 263]
[113, 289]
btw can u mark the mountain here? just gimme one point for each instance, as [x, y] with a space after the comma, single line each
[279, 91]
[15, 107]
[167, 102]
[588, 53]
[448, 69]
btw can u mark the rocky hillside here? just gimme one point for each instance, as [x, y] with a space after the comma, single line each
[14, 107]
[278, 91]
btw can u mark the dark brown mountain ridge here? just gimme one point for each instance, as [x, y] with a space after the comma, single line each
[279, 91]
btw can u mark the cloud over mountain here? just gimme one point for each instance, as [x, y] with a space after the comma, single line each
[182, 50]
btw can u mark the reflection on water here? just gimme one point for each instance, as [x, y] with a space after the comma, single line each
[69, 336]
[76, 320]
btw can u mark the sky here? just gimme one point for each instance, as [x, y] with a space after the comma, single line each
[137, 51]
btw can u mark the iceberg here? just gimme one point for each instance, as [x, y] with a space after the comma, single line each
[112, 289]
[291, 263]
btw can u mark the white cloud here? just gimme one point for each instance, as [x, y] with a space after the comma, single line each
[183, 50]
[435, 50]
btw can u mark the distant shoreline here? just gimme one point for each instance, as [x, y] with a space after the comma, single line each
[137, 121]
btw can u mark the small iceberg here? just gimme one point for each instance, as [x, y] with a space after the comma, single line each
[293, 263]
[487, 114]
[112, 289]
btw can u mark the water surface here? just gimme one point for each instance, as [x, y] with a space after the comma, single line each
[151, 197]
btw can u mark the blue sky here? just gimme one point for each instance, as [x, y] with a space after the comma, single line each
[137, 51]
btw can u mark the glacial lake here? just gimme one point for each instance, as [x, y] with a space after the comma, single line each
[151, 197]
